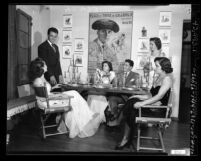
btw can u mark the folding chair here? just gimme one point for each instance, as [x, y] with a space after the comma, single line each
[46, 112]
[159, 124]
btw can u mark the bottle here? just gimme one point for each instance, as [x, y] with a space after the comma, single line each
[124, 79]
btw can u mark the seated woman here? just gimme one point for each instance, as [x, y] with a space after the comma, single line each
[97, 101]
[81, 121]
[159, 94]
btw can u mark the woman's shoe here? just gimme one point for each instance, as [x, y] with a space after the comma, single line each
[120, 147]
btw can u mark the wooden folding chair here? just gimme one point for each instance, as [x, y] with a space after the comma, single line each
[46, 112]
[159, 124]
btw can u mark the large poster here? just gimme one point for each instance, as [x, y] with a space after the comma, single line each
[110, 38]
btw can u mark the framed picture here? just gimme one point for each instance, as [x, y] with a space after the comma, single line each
[141, 61]
[79, 44]
[165, 51]
[165, 18]
[67, 20]
[78, 59]
[164, 35]
[67, 36]
[118, 39]
[67, 51]
[143, 45]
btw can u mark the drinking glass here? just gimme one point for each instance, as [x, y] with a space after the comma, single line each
[88, 78]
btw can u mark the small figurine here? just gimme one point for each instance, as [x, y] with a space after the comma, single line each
[144, 32]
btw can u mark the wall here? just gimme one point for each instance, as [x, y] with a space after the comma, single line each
[41, 21]
[147, 16]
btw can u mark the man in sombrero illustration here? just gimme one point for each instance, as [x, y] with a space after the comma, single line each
[98, 48]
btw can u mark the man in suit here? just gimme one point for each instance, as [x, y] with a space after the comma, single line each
[130, 78]
[49, 52]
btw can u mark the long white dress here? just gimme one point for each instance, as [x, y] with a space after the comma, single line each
[98, 103]
[81, 121]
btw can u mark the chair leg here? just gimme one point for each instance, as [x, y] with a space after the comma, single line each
[138, 137]
[63, 118]
[161, 140]
[42, 126]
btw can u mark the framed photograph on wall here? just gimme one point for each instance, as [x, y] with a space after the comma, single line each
[164, 35]
[165, 18]
[141, 61]
[67, 36]
[67, 51]
[165, 50]
[79, 45]
[78, 59]
[67, 20]
[143, 45]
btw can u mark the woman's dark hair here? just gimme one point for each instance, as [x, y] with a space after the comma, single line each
[130, 62]
[157, 42]
[52, 29]
[165, 64]
[36, 69]
[109, 65]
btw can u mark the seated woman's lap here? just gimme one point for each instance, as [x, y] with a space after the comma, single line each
[130, 113]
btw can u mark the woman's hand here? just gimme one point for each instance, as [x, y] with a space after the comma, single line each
[138, 105]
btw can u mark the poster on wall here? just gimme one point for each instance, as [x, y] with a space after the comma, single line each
[67, 36]
[165, 18]
[78, 59]
[110, 38]
[143, 45]
[79, 45]
[164, 35]
[67, 51]
[67, 20]
[165, 50]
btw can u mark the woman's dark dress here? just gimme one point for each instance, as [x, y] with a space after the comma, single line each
[130, 113]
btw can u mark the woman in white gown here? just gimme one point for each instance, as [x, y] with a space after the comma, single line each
[98, 101]
[81, 121]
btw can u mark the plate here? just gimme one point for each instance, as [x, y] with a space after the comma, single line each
[127, 88]
[74, 85]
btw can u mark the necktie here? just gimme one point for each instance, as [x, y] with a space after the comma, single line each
[54, 47]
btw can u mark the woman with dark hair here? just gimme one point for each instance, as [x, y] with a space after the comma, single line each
[159, 95]
[106, 75]
[97, 101]
[155, 49]
[81, 121]
[155, 46]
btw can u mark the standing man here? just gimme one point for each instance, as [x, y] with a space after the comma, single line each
[99, 50]
[131, 78]
[49, 52]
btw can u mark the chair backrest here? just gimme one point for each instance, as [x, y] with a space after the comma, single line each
[25, 90]
[42, 92]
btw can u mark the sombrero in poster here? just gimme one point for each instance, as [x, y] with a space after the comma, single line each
[105, 24]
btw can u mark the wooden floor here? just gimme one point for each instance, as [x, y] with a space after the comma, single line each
[25, 139]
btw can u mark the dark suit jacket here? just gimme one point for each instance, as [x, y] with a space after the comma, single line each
[47, 53]
[131, 80]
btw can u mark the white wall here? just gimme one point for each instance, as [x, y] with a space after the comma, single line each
[147, 16]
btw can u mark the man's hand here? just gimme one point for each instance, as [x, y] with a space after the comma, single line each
[53, 80]
[61, 80]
